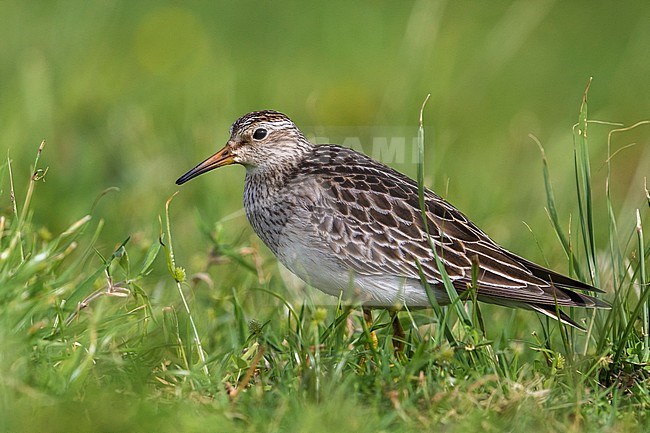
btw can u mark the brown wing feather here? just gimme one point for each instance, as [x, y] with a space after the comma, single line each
[370, 218]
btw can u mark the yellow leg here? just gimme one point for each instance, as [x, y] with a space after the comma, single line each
[367, 316]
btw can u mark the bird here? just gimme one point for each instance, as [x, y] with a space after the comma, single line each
[353, 227]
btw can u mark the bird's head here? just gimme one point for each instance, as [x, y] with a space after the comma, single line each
[258, 139]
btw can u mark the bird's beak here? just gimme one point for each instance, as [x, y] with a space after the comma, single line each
[219, 159]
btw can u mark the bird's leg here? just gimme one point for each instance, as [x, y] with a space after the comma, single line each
[398, 333]
[367, 316]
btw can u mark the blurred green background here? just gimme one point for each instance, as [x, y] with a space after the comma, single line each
[132, 94]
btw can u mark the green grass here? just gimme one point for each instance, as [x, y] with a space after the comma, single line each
[97, 341]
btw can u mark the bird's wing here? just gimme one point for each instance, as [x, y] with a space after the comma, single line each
[369, 215]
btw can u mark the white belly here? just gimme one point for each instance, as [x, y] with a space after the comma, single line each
[315, 267]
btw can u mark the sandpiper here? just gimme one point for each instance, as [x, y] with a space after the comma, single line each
[347, 224]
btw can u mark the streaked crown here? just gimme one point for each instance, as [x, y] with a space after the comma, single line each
[263, 138]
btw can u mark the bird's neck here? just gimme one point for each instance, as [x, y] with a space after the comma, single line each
[271, 177]
[278, 168]
[267, 197]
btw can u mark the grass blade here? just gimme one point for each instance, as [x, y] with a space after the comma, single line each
[552, 210]
[583, 187]
[455, 300]
[644, 289]
[179, 276]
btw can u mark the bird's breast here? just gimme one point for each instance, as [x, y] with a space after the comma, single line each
[272, 207]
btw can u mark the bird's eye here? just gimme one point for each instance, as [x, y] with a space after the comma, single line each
[259, 133]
